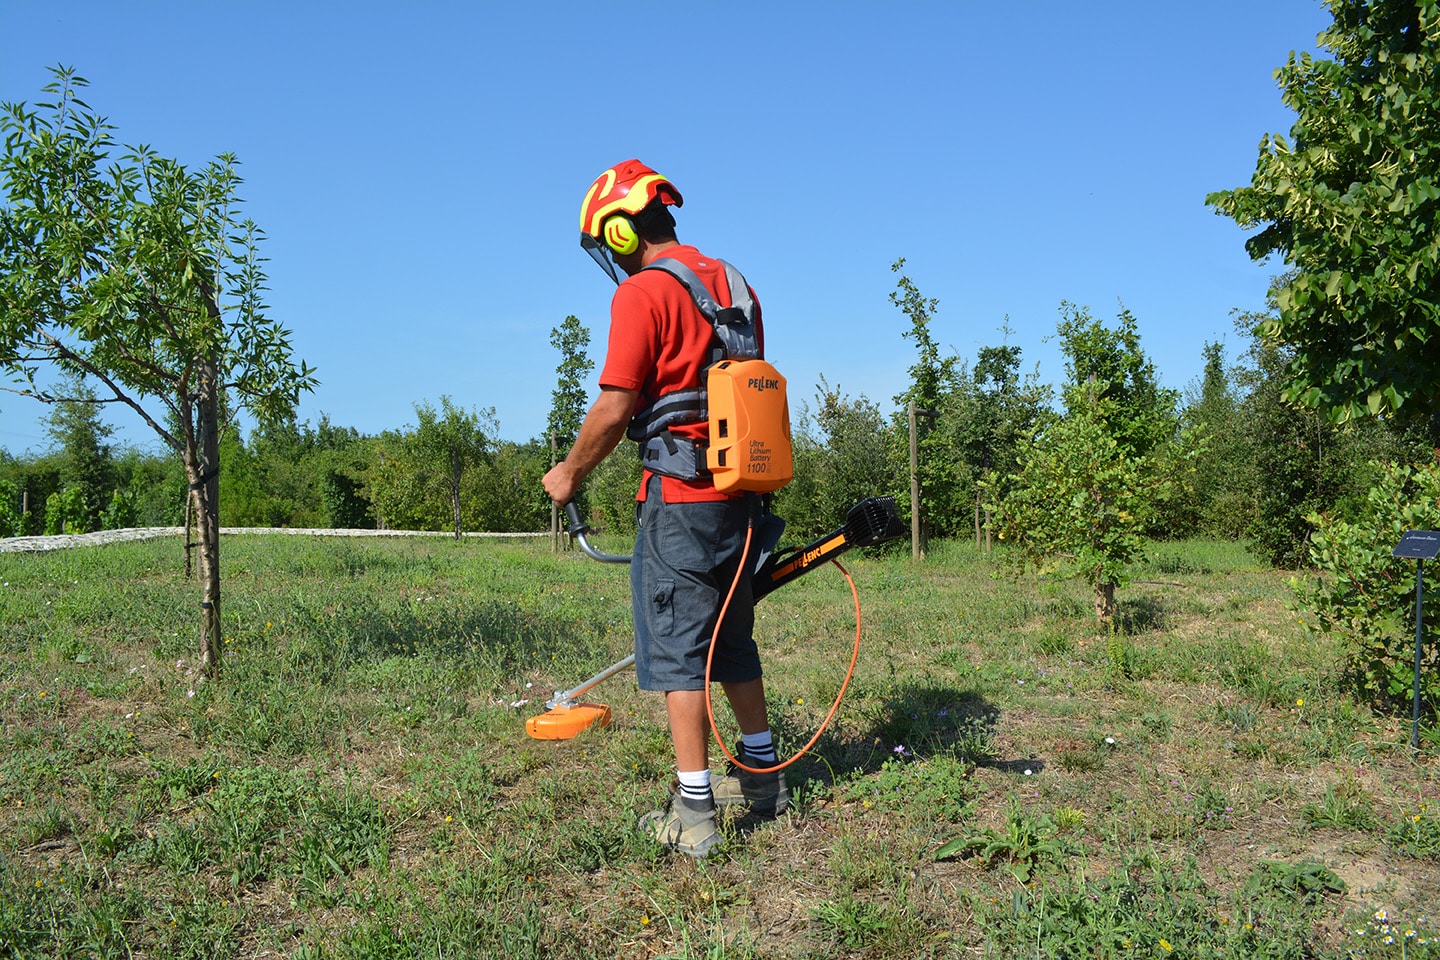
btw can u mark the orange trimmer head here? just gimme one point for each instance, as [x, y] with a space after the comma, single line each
[565, 716]
[562, 722]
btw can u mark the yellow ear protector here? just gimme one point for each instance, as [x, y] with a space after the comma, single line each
[620, 234]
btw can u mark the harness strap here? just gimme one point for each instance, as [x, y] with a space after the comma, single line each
[661, 451]
[735, 324]
[673, 409]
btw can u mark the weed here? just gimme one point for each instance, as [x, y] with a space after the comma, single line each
[1416, 832]
[1146, 907]
[50, 823]
[1345, 806]
[1083, 760]
[1069, 819]
[855, 924]
[1028, 842]
[1306, 882]
[1239, 717]
[941, 788]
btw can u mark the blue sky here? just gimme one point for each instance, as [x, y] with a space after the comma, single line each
[418, 170]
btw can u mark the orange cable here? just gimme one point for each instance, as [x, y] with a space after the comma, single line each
[710, 657]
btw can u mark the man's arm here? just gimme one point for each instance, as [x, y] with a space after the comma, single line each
[603, 428]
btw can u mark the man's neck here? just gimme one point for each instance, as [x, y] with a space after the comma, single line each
[654, 251]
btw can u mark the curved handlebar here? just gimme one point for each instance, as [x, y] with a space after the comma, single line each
[579, 532]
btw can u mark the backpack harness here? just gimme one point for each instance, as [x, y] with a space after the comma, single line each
[740, 395]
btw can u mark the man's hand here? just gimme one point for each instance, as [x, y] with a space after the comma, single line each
[561, 483]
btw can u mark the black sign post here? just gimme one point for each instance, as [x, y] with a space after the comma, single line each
[1418, 545]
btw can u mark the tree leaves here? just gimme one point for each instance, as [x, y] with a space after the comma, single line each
[131, 270]
[1354, 208]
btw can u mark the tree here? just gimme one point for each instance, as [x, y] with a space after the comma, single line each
[1351, 201]
[568, 399]
[985, 424]
[1091, 483]
[1142, 414]
[1366, 596]
[85, 459]
[1222, 502]
[930, 373]
[934, 381]
[139, 274]
[839, 462]
[1081, 501]
[1301, 464]
[446, 445]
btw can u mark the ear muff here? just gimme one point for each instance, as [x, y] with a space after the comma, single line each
[620, 235]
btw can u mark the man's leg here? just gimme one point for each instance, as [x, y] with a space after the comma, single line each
[689, 728]
[747, 699]
[690, 724]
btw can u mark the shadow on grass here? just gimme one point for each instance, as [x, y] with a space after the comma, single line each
[1143, 613]
[918, 720]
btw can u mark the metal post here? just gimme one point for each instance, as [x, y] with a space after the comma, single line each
[1419, 637]
[554, 507]
[1418, 545]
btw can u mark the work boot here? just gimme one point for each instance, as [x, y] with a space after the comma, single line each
[766, 794]
[685, 825]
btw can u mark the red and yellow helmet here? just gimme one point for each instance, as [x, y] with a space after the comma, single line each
[607, 226]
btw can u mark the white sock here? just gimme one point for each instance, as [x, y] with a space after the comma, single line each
[694, 784]
[759, 746]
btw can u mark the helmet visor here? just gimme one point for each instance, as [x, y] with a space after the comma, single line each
[602, 255]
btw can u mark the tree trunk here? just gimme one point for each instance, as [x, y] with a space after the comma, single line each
[1105, 605]
[977, 519]
[205, 488]
[455, 470]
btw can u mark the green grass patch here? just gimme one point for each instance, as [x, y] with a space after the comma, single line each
[1002, 780]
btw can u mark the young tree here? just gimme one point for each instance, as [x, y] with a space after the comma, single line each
[930, 374]
[568, 399]
[1222, 500]
[1081, 501]
[1091, 483]
[1302, 464]
[1142, 414]
[446, 445]
[85, 459]
[139, 274]
[935, 380]
[840, 462]
[987, 423]
[1351, 201]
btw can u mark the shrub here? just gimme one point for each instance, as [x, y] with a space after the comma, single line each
[1367, 596]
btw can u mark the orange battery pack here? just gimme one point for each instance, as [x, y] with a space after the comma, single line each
[749, 427]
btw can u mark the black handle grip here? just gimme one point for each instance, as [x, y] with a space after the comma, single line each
[576, 526]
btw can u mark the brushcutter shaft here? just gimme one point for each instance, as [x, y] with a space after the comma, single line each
[567, 698]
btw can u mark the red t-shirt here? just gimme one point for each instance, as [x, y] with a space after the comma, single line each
[660, 341]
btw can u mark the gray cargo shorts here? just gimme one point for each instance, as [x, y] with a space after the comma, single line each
[684, 562]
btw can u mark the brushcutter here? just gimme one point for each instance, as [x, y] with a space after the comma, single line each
[871, 522]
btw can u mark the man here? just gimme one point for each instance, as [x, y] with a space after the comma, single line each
[691, 537]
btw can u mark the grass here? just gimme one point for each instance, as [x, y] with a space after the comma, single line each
[1000, 781]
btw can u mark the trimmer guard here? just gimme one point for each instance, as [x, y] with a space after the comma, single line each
[562, 723]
